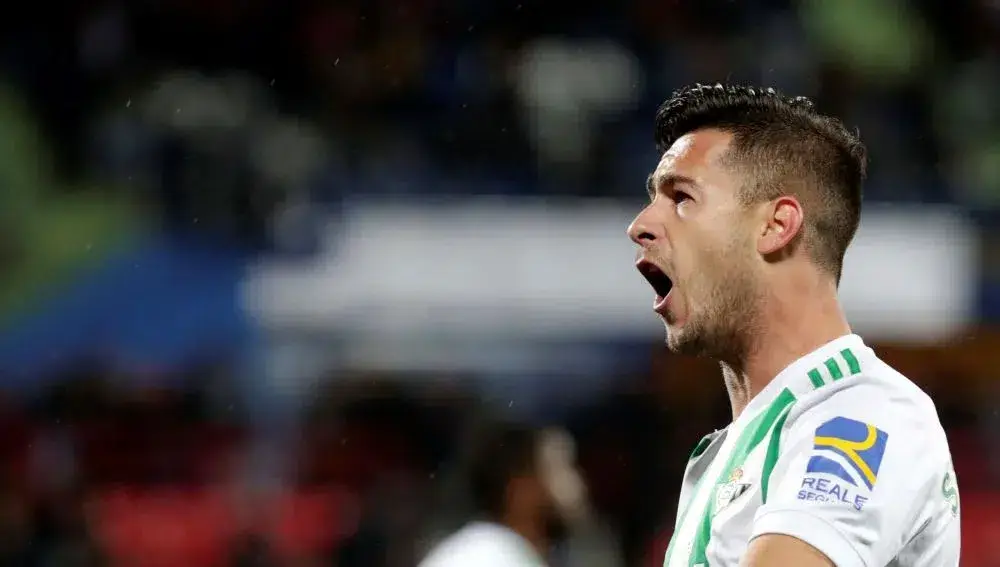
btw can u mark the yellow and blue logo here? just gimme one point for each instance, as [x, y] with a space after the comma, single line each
[850, 450]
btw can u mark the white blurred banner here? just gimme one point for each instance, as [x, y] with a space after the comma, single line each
[528, 269]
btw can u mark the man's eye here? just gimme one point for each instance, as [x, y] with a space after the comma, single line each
[681, 196]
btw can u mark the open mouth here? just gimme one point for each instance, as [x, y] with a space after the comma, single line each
[654, 275]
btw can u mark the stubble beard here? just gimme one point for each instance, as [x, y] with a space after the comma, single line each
[722, 325]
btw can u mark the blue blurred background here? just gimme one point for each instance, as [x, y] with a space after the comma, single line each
[265, 262]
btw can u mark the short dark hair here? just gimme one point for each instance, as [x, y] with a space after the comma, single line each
[501, 452]
[787, 147]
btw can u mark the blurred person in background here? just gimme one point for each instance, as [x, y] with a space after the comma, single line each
[833, 458]
[529, 498]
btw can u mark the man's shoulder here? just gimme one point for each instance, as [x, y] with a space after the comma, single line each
[863, 452]
[879, 399]
[877, 390]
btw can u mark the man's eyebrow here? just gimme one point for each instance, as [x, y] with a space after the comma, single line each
[654, 182]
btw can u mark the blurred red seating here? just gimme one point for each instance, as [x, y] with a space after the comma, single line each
[311, 522]
[170, 527]
[970, 454]
[980, 528]
[165, 527]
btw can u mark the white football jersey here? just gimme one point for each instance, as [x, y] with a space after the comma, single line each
[483, 544]
[839, 451]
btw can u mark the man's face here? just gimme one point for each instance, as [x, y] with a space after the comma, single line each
[697, 248]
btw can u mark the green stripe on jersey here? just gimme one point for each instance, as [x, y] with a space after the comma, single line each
[834, 368]
[772, 419]
[773, 451]
[751, 437]
[680, 521]
[816, 378]
[851, 360]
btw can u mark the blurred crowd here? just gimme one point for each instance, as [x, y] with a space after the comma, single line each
[446, 96]
[243, 126]
[95, 473]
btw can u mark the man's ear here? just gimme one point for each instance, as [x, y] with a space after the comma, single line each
[783, 221]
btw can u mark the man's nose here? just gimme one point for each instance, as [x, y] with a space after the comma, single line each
[642, 231]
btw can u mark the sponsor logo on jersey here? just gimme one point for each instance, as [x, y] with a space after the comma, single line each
[826, 490]
[859, 446]
[844, 463]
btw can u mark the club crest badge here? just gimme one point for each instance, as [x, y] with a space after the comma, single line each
[730, 491]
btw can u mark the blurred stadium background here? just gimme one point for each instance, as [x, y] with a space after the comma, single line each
[265, 262]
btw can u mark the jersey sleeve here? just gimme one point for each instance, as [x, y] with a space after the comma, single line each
[846, 477]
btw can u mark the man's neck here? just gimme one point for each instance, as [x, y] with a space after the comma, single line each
[791, 327]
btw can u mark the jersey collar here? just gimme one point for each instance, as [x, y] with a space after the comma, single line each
[795, 377]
